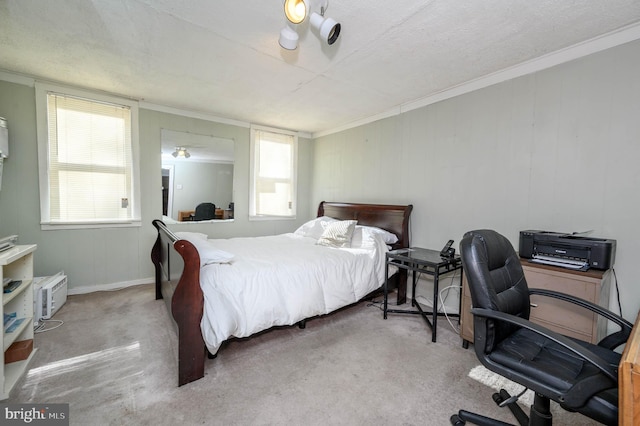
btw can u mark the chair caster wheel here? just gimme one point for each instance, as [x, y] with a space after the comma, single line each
[457, 421]
[497, 398]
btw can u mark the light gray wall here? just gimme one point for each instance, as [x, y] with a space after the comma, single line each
[107, 258]
[556, 150]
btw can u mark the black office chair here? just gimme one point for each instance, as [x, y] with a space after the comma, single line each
[205, 211]
[579, 376]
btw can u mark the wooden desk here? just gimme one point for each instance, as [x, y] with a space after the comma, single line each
[629, 380]
[185, 215]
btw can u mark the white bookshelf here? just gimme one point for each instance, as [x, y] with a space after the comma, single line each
[17, 264]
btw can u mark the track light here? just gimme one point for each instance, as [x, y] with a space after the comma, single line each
[328, 28]
[288, 38]
[295, 11]
[181, 152]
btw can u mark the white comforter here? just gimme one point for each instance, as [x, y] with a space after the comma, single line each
[280, 280]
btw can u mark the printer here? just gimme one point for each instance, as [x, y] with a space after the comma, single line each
[567, 250]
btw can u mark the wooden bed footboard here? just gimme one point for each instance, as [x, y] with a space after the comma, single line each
[183, 298]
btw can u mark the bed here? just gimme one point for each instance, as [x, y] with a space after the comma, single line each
[291, 288]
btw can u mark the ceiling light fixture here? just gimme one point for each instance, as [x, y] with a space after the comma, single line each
[296, 12]
[328, 28]
[181, 152]
[288, 38]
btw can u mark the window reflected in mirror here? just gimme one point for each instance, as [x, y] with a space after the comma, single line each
[197, 177]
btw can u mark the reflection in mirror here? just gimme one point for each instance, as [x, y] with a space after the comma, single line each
[197, 177]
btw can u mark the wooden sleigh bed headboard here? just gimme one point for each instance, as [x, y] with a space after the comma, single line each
[394, 219]
[184, 296]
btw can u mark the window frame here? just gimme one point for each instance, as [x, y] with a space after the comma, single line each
[253, 215]
[42, 134]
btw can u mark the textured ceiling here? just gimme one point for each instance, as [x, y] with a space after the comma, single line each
[221, 57]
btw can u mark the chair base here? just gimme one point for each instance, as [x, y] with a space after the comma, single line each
[539, 415]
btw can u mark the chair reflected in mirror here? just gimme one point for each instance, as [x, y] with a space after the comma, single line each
[205, 211]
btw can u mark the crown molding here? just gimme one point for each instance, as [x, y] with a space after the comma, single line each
[193, 114]
[12, 77]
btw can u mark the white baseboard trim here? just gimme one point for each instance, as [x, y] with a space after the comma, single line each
[109, 287]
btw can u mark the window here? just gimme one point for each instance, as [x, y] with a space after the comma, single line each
[273, 173]
[87, 149]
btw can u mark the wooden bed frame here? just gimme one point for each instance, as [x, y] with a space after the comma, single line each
[184, 297]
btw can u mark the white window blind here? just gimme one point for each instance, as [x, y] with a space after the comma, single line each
[90, 162]
[274, 160]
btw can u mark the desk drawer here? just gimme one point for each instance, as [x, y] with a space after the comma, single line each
[557, 315]
[564, 317]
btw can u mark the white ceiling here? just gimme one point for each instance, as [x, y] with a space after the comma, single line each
[204, 148]
[222, 58]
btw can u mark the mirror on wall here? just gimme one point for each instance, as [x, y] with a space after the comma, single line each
[197, 177]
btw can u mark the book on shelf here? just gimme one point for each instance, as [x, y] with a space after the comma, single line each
[11, 286]
[8, 319]
[14, 324]
[10, 322]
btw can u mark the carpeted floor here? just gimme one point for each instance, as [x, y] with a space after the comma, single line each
[114, 361]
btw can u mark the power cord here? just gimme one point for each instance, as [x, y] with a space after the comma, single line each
[444, 309]
[378, 304]
[375, 304]
[41, 328]
[441, 300]
[615, 277]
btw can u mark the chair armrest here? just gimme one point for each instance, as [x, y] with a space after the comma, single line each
[563, 341]
[611, 341]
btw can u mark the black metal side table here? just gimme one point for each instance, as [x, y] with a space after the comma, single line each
[424, 261]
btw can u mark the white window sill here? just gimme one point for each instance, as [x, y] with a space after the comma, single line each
[53, 226]
[266, 217]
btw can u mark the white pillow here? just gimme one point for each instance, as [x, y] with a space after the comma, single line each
[388, 237]
[367, 237]
[207, 251]
[315, 227]
[338, 234]
[364, 238]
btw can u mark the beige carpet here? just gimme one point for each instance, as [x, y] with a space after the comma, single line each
[114, 362]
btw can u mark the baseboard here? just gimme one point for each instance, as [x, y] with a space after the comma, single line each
[109, 287]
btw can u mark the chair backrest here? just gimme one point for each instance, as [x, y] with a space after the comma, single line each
[496, 281]
[205, 211]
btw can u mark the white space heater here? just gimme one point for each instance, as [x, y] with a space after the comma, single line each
[49, 294]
